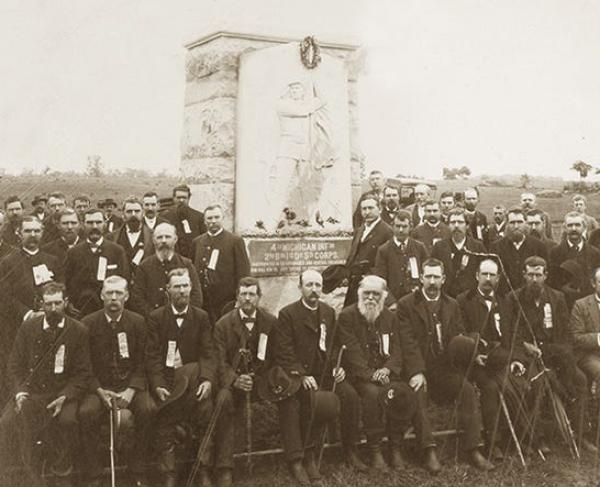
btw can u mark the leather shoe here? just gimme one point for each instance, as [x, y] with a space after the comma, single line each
[204, 478]
[354, 460]
[496, 454]
[224, 477]
[396, 460]
[432, 463]
[377, 460]
[479, 461]
[299, 474]
[310, 466]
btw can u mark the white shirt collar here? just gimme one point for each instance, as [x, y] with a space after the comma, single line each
[30, 252]
[244, 315]
[150, 221]
[46, 325]
[97, 244]
[518, 244]
[184, 311]
[460, 245]
[397, 242]
[427, 298]
[109, 319]
[308, 307]
[368, 229]
[432, 225]
[217, 233]
[579, 246]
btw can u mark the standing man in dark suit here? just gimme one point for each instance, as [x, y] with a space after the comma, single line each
[117, 340]
[39, 206]
[528, 203]
[134, 237]
[417, 209]
[188, 222]
[537, 228]
[365, 242]
[69, 227]
[221, 260]
[57, 202]
[459, 265]
[432, 230]
[514, 248]
[428, 322]
[373, 360]
[390, 204]
[90, 262]
[573, 248]
[113, 221]
[81, 203]
[180, 343]
[49, 367]
[245, 353]
[306, 345]
[498, 227]
[151, 218]
[376, 184]
[13, 207]
[399, 260]
[476, 221]
[447, 204]
[149, 289]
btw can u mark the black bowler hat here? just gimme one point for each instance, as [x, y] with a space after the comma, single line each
[184, 377]
[37, 198]
[278, 385]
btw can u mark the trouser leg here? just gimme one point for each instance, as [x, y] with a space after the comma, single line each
[144, 410]
[421, 421]
[289, 423]
[349, 412]
[91, 414]
[490, 404]
[224, 434]
[372, 412]
[401, 408]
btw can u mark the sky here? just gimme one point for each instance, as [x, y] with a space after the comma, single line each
[501, 86]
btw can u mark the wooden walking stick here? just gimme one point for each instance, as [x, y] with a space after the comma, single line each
[248, 403]
[112, 413]
[512, 429]
[322, 441]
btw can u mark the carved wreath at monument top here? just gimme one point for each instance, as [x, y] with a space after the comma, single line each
[310, 52]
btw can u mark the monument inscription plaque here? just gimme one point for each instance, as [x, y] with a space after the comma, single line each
[290, 256]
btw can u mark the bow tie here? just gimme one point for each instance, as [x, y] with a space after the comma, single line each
[179, 315]
[487, 297]
[248, 319]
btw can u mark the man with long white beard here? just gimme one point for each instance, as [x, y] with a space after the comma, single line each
[429, 323]
[374, 362]
[148, 291]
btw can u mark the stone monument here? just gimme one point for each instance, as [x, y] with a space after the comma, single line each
[270, 133]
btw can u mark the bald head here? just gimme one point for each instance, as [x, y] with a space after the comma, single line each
[311, 287]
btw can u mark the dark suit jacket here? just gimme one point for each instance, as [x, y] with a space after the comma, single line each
[388, 215]
[296, 340]
[358, 336]
[51, 231]
[9, 234]
[460, 268]
[513, 259]
[394, 266]
[492, 325]
[81, 270]
[418, 334]
[149, 289]
[114, 222]
[144, 243]
[194, 342]
[31, 365]
[219, 285]
[477, 226]
[495, 233]
[231, 335]
[584, 327]
[361, 258]
[426, 234]
[197, 227]
[414, 211]
[58, 248]
[574, 287]
[357, 219]
[110, 369]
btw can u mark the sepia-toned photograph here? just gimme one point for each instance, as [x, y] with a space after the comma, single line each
[272, 243]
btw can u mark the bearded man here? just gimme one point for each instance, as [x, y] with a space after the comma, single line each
[476, 220]
[374, 362]
[69, 226]
[514, 248]
[432, 230]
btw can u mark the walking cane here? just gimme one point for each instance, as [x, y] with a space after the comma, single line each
[112, 412]
[322, 442]
[512, 429]
[248, 404]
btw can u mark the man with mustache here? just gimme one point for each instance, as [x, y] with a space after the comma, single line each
[245, 354]
[90, 262]
[399, 260]
[417, 209]
[69, 226]
[432, 230]
[13, 208]
[113, 221]
[539, 318]
[150, 203]
[428, 323]
[117, 340]
[485, 316]
[373, 359]
[498, 227]
[514, 248]
[148, 290]
[188, 222]
[49, 368]
[454, 251]
[180, 344]
[133, 236]
[447, 203]
[537, 228]
[221, 260]
[476, 221]
[574, 248]
[366, 240]
[39, 206]
[57, 202]
[81, 204]
[376, 185]
[305, 344]
[390, 204]
[580, 206]
[528, 203]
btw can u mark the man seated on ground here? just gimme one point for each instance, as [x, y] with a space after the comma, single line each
[428, 322]
[49, 367]
[432, 230]
[538, 318]
[306, 346]
[373, 359]
[117, 339]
